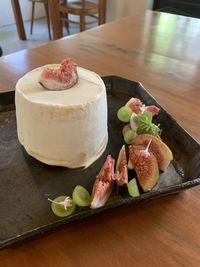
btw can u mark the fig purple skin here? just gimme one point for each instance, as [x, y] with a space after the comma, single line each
[121, 174]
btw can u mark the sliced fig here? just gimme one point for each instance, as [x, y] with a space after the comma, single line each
[160, 150]
[146, 167]
[121, 175]
[103, 184]
[59, 78]
[134, 153]
[135, 105]
[153, 109]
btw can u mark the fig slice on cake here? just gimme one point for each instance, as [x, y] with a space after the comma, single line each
[103, 184]
[145, 165]
[159, 149]
[59, 77]
[121, 174]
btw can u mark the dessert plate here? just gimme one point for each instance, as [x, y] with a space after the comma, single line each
[26, 184]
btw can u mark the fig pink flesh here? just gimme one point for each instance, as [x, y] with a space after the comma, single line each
[103, 185]
[153, 109]
[160, 150]
[135, 105]
[63, 77]
[145, 165]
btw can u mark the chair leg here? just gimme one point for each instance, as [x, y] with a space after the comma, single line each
[55, 19]
[46, 7]
[82, 23]
[67, 23]
[102, 12]
[32, 16]
[1, 51]
[65, 2]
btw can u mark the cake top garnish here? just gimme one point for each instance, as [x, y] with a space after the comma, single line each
[59, 78]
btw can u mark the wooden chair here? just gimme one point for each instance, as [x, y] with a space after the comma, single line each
[45, 2]
[61, 9]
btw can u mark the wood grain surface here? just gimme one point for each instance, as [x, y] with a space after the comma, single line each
[162, 52]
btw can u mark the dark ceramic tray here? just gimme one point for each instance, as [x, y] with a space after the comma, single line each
[25, 183]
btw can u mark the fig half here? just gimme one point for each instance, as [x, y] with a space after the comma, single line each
[103, 184]
[59, 78]
[145, 165]
[159, 149]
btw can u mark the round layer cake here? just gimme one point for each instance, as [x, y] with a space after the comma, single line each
[62, 127]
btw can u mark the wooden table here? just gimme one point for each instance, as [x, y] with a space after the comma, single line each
[162, 52]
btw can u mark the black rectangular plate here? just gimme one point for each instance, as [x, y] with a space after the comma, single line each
[25, 183]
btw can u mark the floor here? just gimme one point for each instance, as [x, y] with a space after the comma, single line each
[9, 40]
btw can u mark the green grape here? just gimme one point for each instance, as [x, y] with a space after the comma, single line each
[59, 209]
[124, 114]
[81, 197]
[133, 188]
[143, 118]
[128, 136]
[153, 129]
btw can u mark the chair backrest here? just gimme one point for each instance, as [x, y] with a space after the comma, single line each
[85, 6]
[81, 8]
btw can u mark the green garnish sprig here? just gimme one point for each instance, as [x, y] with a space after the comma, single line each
[145, 124]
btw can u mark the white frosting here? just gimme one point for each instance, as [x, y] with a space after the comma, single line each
[64, 128]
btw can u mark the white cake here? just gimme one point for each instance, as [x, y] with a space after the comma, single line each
[63, 128]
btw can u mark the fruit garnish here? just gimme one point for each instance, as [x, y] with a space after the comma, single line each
[159, 149]
[133, 188]
[103, 184]
[59, 78]
[128, 133]
[124, 114]
[146, 166]
[128, 136]
[81, 196]
[135, 105]
[121, 174]
[62, 206]
[153, 109]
